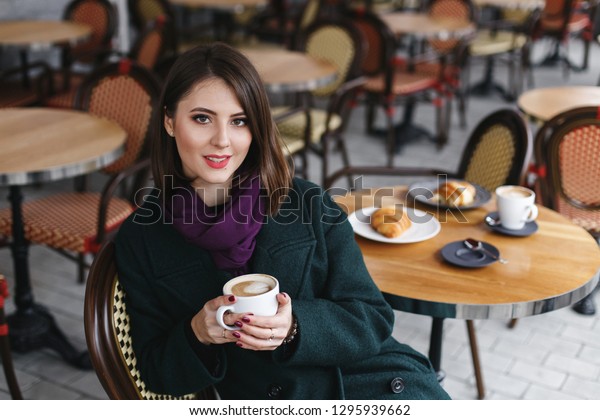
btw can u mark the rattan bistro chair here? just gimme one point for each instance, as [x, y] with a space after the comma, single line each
[497, 153]
[76, 223]
[567, 156]
[79, 60]
[327, 108]
[107, 334]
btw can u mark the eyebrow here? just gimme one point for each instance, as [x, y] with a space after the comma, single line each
[209, 111]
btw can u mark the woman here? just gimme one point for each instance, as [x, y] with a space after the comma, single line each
[225, 204]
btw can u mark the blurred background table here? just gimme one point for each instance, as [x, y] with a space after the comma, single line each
[290, 71]
[42, 145]
[541, 104]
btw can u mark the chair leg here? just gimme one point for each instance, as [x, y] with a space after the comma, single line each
[9, 371]
[81, 267]
[476, 361]
[512, 323]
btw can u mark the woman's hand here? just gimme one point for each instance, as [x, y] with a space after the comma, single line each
[206, 328]
[265, 332]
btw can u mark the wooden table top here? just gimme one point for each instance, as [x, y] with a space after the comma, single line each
[290, 71]
[43, 144]
[551, 269]
[512, 4]
[423, 25]
[234, 5]
[544, 103]
[38, 34]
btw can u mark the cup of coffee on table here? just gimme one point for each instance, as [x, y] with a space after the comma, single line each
[255, 293]
[515, 206]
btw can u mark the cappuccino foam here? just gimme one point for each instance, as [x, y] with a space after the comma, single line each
[250, 288]
[514, 193]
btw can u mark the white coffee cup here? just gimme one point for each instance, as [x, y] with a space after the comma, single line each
[515, 206]
[254, 293]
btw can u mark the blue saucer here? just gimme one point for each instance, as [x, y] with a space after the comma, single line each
[529, 229]
[458, 254]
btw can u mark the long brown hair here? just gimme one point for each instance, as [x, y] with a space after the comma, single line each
[265, 156]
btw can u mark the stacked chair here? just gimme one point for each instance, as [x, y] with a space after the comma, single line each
[76, 224]
[107, 334]
[497, 153]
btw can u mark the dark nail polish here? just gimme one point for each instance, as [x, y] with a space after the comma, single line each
[239, 344]
[231, 298]
[238, 324]
[236, 334]
[245, 319]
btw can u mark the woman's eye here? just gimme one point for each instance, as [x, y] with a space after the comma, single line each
[202, 119]
[239, 122]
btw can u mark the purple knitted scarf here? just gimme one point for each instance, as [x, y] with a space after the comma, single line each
[227, 232]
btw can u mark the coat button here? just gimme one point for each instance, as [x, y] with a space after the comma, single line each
[274, 391]
[397, 385]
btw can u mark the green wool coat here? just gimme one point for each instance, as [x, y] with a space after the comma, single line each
[344, 348]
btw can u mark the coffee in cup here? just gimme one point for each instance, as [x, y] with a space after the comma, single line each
[255, 293]
[515, 206]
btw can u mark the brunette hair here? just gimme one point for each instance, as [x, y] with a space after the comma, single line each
[265, 157]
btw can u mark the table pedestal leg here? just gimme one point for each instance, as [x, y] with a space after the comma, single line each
[487, 85]
[435, 347]
[32, 326]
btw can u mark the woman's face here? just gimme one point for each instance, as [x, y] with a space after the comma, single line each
[211, 131]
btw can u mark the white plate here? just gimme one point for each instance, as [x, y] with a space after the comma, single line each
[424, 226]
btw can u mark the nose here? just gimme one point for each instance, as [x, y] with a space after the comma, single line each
[220, 138]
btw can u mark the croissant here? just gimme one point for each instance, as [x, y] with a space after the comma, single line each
[391, 222]
[455, 193]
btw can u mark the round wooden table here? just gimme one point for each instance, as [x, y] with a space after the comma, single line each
[424, 26]
[551, 269]
[542, 104]
[290, 71]
[40, 145]
[231, 5]
[511, 4]
[41, 34]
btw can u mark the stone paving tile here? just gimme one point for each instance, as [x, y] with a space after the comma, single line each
[537, 392]
[583, 388]
[537, 374]
[572, 366]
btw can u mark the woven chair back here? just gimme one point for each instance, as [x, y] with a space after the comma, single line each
[498, 151]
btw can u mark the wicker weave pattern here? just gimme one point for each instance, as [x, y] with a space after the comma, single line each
[449, 8]
[579, 168]
[336, 46]
[106, 100]
[93, 14]
[66, 221]
[121, 330]
[492, 159]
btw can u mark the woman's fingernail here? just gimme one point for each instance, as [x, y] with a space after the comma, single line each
[239, 344]
[245, 319]
[238, 324]
[231, 298]
[236, 334]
